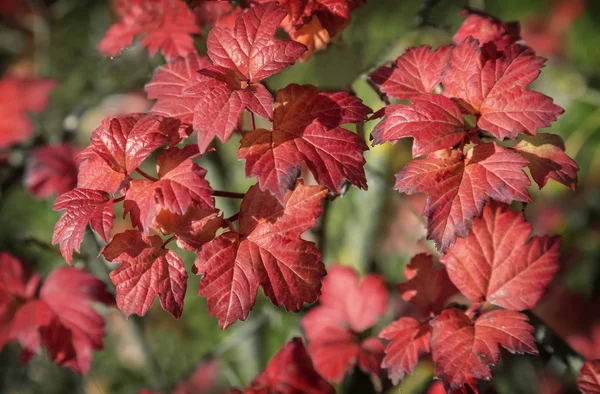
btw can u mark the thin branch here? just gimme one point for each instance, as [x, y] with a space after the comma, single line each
[252, 121]
[166, 242]
[233, 218]
[221, 193]
[382, 96]
[145, 175]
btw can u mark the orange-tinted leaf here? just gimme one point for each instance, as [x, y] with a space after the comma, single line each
[306, 129]
[433, 120]
[165, 25]
[52, 170]
[548, 160]
[409, 339]
[192, 229]
[266, 250]
[588, 381]
[425, 286]
[416, 71]
[463, 351]
[457, 186]
[508, 270]
[147, 271]
[82, 206]
[348, 307]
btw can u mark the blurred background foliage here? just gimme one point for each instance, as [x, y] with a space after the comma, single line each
[373, 231]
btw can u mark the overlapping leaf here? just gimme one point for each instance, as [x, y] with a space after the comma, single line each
[485, 28]
[148, 270]
[492, 86]
[82, 207]
[348, 307]
[416, 71]
[507, 270]
[434, 122]
[306, 129]
[95, 173]
[52, 170]
[267, 250]
[588, 381]
[457, 186]
[165, 25]
[463, 351]
[180, 185]
[192, 229]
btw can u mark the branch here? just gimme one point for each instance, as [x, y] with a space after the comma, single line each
[220, 193]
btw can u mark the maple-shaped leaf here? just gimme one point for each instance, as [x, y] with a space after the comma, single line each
[509, 270]
[52, 170]
[463, 351]
[82, 206]
[493, 87]
[124, 142]
[166, 87]
[165, 25]
[20, 96]
[290, 371]
[588, 381]
[306, 129]
[148, 270]
[485, 28]
[267, 250]
[192, 229]
[95, 173]
[433, 120]
[548, 160]
[409, 339]
[457, 186]
[348, 307]
[180, 185]
[426, 286]
[416, 71]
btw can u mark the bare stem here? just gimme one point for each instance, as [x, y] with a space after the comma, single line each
[220, 193]
[146, 175]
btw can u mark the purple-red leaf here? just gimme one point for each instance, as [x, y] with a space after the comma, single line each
[52, 170]
[588, 381]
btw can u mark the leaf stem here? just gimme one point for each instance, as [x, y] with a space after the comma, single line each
[252, 121]
[146, 175]
[233, 218]
[168, 240]
[220, 193]
[116, 200]
[382, 96]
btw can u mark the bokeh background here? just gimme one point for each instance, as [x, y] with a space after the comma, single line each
[372, 231]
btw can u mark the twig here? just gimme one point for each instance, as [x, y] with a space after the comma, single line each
[382, 96]
[221, 193]
[146, 175]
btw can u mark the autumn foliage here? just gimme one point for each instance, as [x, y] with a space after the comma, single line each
[476, 144]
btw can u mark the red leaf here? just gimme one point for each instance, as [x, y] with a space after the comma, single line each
[508, 270]
[348, 307]
[426, 287]
[434, 122]
[266, 250]
[291, 371]
[249, 48]
[486, 28]
[221, 96]
[588, 381]
[464, 351]
[82, 206]
[94, 173]
[457, 186]
[305, 129]
[548, 160]
[493, 86]
[52, 170]
[193, 229]
[417, 71]
[148, 270]
[181, 184]
[409, 339]
[125, 141]
[19, 97]
[167, 86]
[165, 25]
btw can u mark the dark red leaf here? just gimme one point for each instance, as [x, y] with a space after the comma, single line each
[409, 339]
[548, 160]
[588, 381]
[463, 351]
[457, 186]
[434, 122]
[165, 25]
[305, 129]
[52, 170]
[348, 307]
[416, 71]
[82, 206]
[508, 270]
[266, 250]
[147, 271]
